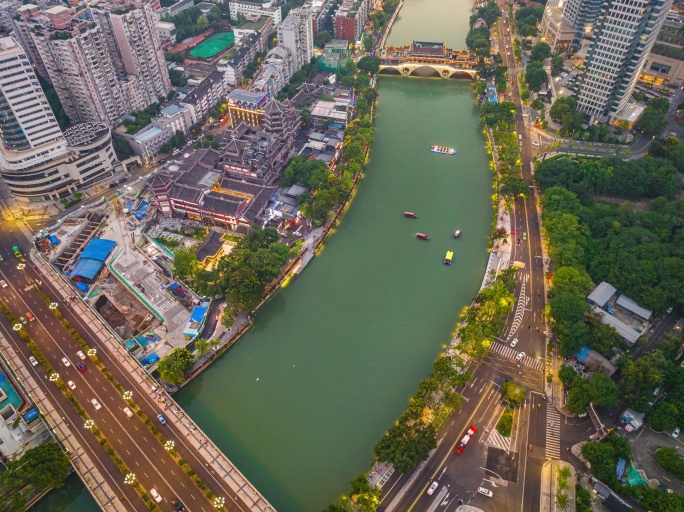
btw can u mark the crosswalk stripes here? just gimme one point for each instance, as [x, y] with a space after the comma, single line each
[511, 353]
[553, 420]
[499, 441]
[165, 306]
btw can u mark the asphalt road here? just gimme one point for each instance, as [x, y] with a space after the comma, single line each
[514, 474]
[138, 448]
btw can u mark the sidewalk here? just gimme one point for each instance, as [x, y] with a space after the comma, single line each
[213, 458]
[550, 489]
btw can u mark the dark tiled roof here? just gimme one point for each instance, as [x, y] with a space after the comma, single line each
[159, 179]
[193, 177]
[207, 158]
[189, 195]
[210, 246]
[240, 186]
[257, 204]
[222, 203]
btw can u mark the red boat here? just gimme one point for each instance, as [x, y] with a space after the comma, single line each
[410, 215]
[422, 236]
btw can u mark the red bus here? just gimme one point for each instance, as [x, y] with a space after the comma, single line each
[466, 439]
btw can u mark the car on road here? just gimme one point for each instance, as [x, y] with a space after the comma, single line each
[178, 505]
[485, 492]
[3, 283]
[30, 317]
[161, 419]
[669, 310]
[465, 439]
[81, 355]
[128, 412]
[155, 495]
[520, 356]
[524, 235]
[514, 342]
[112, 185]
[675, 432]
[33, 361]
[432, 488]
[80, 367]
[96, 404]
[66, 362]
[23, 320]
[71, 384]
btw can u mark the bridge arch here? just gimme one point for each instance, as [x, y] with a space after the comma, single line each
[426, 70]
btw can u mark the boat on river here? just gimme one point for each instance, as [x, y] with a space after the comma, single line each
[457, 233]
[449, 257]
[443, 150]
[410, 215]
[422, 236]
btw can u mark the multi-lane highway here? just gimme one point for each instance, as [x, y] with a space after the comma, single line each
[509, 467]
[132, 440]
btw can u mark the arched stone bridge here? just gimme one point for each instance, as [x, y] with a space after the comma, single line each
[423, 70]
[427, 59]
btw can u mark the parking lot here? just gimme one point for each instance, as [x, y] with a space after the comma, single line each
[644, 444]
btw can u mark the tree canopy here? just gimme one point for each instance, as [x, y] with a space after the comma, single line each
[654, 118]
[174, 367]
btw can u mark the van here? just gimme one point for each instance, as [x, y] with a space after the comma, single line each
[128, 412]
[535, 143]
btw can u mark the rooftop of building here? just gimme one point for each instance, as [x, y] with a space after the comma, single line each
[198, 93]
[83, 134]
[166, 25]
[210, 246]
[256, 24]
[337, 44]
[239, 95]
[148, 133]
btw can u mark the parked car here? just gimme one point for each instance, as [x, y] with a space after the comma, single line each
[161, 419]
[33, 361]
[3, 283]
[485, 492]
[675, 432]
[432, 488]
[96, 404]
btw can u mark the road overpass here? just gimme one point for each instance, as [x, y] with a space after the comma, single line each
[427, 59]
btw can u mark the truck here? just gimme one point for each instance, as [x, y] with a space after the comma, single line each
[17, 253]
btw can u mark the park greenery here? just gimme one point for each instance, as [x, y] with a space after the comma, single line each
[598, 389]
[563, 474]
[178, 79]
[191, 22]
[413, 436]
[513, 394]
[478, 38]
[142, 117]
[307, 72]
[363, 497]
[380, 17]
[603, 457]
[670, 460]
[499, 117]
[322, 38]
[527, 18]
[40, 468]
[174, 367]
[535, 75]
[564, 111]
[203, 346]
[654, 118]
[369, 64]
[505, 424]
[177, 140]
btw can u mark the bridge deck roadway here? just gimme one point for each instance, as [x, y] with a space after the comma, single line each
[205, 458]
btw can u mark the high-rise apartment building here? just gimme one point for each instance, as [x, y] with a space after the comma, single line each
[37, 161]
[134, 47]
[77, 61]
[296, 34]
[29, 18]
[581, 15]
[624, 34]
[350, 19]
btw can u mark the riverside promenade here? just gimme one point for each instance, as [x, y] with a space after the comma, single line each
[215, 469]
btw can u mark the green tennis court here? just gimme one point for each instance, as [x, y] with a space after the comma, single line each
[213, 46]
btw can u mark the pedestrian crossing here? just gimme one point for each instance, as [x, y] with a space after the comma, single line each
[511, 353]
[553, 420]
[499, 441]
[165, 306]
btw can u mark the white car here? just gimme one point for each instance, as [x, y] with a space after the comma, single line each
[96, 404]
[520, 356]
[514, 342]
[675, 432]
[155, 495]
[3, 283]
[66, 362]
[71, 384]
[485, 492]
[81, 355]
[33, 361]
[433, 487]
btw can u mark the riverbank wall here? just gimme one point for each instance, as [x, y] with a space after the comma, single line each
[388, 28]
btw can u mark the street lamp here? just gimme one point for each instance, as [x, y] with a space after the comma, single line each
[89, 424]
[16, 327]
[219, 501]
[53, 305]
[168, 445]
[92, 352]
[127, 395]
[54, 377]
[129, 479]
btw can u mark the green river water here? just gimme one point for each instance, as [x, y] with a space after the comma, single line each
[300, 401]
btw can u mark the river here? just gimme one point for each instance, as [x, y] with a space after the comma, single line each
[300, 401]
